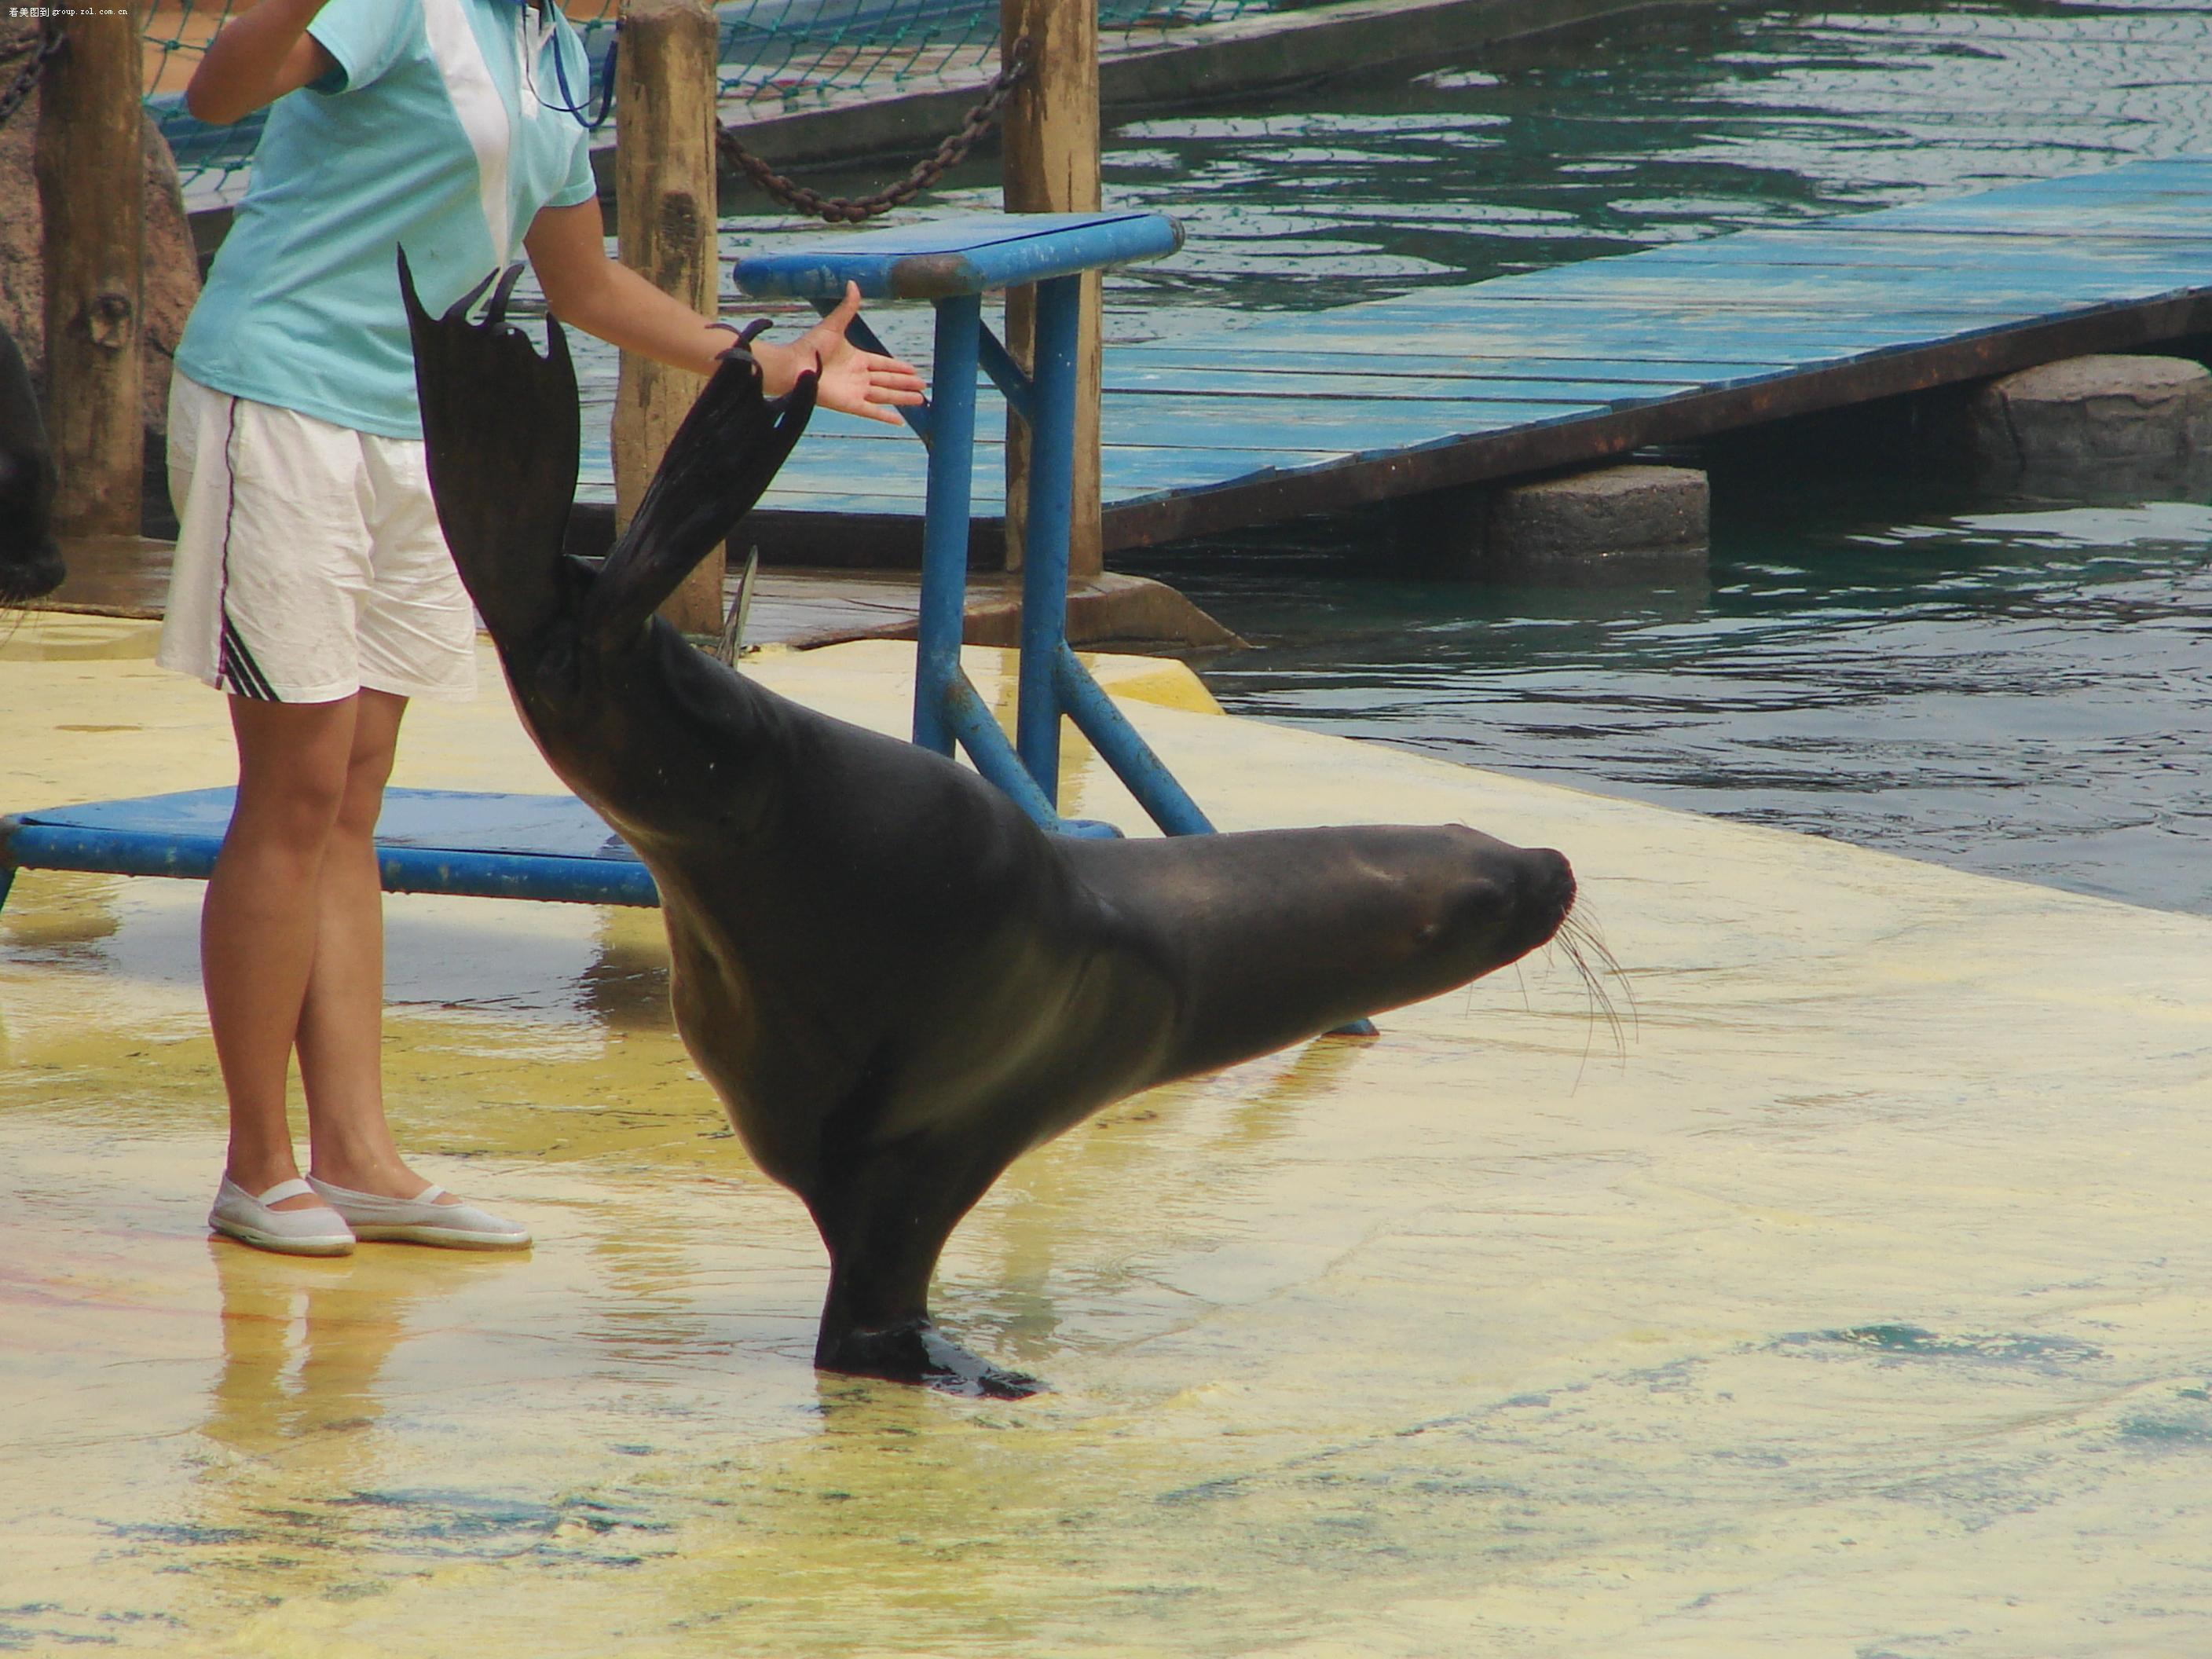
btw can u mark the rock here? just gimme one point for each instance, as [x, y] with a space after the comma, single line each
[1107, 612]
[172, 270]
[2091, 414]
[1632, 514]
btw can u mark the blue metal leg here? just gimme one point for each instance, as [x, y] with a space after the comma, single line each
[1128, 754]
[986, 745]
[944, 519]
[1007, 375]
[1044, 542]
[946, 710]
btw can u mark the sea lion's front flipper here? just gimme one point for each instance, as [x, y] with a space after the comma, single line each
[715, 468]
[918, 1353]
[500, 432]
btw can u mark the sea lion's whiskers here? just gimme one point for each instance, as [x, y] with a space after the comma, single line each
[1579, 940]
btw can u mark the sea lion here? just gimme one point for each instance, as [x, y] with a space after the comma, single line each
[30, 564]
[895, 982]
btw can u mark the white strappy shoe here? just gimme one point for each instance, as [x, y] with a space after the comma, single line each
[319, 1229]
[422, 1220]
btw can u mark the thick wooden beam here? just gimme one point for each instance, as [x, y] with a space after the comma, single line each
[1048, 156]
[665, 214]
[90, 159]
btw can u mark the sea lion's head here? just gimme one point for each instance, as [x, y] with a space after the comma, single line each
[30, 564]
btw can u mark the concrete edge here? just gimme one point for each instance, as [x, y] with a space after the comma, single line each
[1132, 612]
[1111, 609]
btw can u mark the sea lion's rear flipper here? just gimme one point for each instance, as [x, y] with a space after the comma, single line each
[501, 433]
[715, 468]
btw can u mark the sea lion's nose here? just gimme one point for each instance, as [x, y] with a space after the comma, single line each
[1559, 874]
[1551, 892]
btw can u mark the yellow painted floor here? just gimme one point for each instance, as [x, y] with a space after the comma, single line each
[1858, 1302]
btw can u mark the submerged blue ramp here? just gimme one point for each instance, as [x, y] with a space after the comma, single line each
[428, 841]
[1284, 414]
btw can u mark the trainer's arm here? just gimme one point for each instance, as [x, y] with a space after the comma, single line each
[587, 290]
[255, 59]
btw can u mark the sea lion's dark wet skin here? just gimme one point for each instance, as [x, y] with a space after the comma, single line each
[895, 981]
[30, 564]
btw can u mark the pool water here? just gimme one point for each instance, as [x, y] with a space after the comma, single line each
[2021, 687]
[1659, 128]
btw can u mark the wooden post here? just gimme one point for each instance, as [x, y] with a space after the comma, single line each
[665, 212]
[91, 163]
[1048, 151]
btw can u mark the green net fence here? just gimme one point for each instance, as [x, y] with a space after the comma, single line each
[777, 57]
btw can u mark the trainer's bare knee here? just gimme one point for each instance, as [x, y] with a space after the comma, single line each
[294, 764]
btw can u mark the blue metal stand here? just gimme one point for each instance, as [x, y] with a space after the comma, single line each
[952, 264]
[428, 841]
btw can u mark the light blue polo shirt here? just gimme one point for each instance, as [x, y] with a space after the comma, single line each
[441, 131]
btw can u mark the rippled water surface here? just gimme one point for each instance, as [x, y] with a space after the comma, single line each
[2023, 689]
[2018, 687]
[1657, 129]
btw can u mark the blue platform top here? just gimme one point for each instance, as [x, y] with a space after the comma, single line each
[428, 841]
[967, 255]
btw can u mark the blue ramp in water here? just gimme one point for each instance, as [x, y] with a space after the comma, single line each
[1278, 415]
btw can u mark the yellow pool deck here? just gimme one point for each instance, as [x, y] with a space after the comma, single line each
[1858, 1302]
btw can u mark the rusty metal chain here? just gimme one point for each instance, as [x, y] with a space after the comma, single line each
[48, 48]
[852, 209]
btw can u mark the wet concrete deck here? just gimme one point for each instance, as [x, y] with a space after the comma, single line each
[129, 577]
[1855, 1303]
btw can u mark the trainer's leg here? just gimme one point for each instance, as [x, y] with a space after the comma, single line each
[341, 1031]
[259, 923]
[341, 1034]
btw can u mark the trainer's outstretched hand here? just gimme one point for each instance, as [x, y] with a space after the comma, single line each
[583, 287]
[858, 382]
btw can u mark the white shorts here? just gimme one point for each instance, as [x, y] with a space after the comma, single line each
[309, 563]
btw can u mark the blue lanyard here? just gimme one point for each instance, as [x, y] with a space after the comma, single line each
[593, 123]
